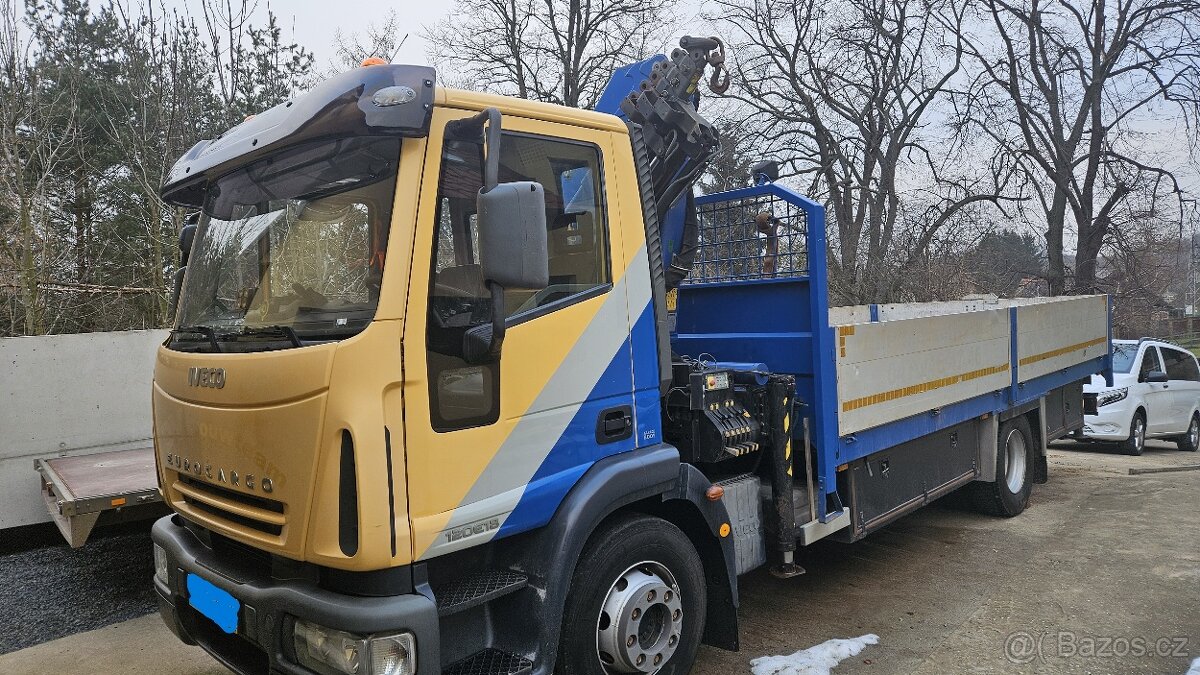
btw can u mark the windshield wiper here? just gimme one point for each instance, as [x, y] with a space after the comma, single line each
[278, 329]
[206, 331]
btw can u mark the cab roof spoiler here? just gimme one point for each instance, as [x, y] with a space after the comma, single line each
[376, 100]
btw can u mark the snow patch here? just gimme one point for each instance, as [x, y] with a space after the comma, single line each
[817, 660]
[1195, 669]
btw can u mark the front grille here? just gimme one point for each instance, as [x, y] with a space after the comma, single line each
[257, 513]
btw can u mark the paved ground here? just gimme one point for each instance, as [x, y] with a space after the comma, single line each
[1100, 575]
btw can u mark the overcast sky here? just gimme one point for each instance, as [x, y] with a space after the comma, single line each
[314, 22]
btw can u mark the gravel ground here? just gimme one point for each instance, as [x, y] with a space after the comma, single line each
[48, 590]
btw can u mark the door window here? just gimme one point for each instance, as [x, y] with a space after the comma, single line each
[1150, 363]
[464, 395]
[1180, 365]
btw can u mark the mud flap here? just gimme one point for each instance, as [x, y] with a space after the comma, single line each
[1040, 470]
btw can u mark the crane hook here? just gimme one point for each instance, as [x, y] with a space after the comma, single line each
[719, 85]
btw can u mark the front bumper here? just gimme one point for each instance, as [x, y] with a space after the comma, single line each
[1111, 424]
[268, 606]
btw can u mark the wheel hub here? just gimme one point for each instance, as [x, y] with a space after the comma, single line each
[641, 620]
[1014, 474]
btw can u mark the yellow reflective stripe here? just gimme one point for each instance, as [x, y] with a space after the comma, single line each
[1062, 350]
[921, 388]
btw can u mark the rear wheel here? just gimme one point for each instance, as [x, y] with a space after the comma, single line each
[636, 604]
[1190, 440]
[1008, 495]
[1137, 435]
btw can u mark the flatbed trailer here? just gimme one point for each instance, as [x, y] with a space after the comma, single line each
[919, 388]
[73, 410]
[77, 490]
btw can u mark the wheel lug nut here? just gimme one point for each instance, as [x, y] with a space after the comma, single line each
[636, 613]
[657, 659]
[675, 616]
[673, 639]
[641, 659]
[630, 640]
[667, 596]
[650, 596]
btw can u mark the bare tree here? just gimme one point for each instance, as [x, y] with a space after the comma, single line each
[169, 68]
[256, 67]
[382, 40]
[30, 159]
[561, 51]
[1065, 89]
[846, 93]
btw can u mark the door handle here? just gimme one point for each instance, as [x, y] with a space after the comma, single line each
[614, 424]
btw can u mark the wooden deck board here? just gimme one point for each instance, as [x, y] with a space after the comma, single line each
[106, 473]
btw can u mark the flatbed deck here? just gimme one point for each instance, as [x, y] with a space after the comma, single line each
[78, 489]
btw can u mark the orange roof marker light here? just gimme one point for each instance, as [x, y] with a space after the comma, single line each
[373, 61]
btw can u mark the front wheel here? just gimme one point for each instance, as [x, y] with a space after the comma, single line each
[1190, 440]
[637, 602]
[1008, 495]
[1137, 435]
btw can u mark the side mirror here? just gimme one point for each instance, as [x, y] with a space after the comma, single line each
[511, 221]
[187, 235]
[512, 254]
[1156, 377]
[512, 236]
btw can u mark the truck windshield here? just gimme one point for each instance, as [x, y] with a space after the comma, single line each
[290, 248]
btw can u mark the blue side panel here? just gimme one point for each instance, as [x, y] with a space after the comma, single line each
[647, 404]
[782, 321]
[576, 450]
[878, 438]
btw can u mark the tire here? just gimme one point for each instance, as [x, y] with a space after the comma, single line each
[1136, 443]
[1190, 440]
[643, 570]
[1008, 495]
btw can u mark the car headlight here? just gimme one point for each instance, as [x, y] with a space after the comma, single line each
[335, 652]
[1111, 396]
[160, 563]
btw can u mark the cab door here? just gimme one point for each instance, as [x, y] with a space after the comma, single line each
[492, 448]
[1181, 371]
[1155, 395]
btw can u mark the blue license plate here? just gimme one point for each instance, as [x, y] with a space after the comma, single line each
[213, 603]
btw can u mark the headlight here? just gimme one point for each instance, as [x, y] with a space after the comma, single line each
[334, 652]
[160, 563]
[1111, 396]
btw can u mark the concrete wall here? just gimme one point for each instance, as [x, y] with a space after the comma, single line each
[68, 395]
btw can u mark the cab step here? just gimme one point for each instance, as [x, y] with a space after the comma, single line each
[477, 588]
[491, 662]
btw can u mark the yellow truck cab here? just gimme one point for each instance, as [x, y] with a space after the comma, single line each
[322, 433]
[469, 384]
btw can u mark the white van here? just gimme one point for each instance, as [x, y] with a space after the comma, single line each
[1155, 394]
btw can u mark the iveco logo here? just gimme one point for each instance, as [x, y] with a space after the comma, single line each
[206, 377]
